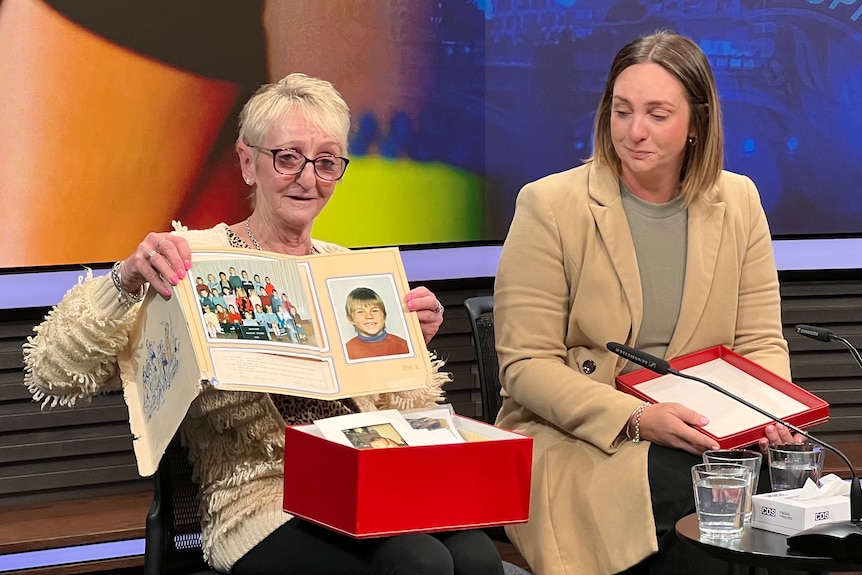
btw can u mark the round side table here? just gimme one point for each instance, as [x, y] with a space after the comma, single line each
[758, 548]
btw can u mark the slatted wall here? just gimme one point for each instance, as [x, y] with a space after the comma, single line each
[827, 369]
[454, 343]
[63, 453]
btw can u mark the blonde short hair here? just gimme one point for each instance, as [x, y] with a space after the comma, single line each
[704, 156]
[317, 99]
[363, 296]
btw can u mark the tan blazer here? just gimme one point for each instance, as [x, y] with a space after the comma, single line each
[568, 283]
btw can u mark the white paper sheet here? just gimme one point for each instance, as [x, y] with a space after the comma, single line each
[726, 415]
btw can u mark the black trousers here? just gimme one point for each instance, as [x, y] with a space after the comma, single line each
[672, 497]
[299, 547]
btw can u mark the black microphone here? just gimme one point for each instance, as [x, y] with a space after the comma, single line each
[841, 540]
[823, 334]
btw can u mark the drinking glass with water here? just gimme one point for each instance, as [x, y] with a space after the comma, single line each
[721, 492]
[747, 457]
[791, 464]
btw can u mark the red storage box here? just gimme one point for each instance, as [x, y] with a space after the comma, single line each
[746, 425]
[377, 492]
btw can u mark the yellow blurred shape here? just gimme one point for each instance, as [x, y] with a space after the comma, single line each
[383, 202]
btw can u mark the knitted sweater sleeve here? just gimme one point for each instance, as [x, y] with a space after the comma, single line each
[427, 396]
[73, 355]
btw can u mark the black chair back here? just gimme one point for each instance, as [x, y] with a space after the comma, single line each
[173, 533]
[480, 309]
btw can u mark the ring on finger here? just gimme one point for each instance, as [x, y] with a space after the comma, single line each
[151, 254]
[439, 308]
[158, 245]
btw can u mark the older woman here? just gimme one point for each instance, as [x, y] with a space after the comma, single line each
[292, 145]
[651, 244]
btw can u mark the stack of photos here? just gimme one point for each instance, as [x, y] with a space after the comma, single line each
[392, 428]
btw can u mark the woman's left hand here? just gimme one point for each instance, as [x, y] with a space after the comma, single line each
[428, 308]
[777, 434]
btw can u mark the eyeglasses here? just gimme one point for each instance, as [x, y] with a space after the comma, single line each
[288, 162]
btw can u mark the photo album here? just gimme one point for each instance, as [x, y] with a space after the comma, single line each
[324, 326]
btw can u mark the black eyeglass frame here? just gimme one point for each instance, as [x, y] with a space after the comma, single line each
[307, 160]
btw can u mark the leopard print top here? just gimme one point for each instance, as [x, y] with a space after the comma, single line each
[300, 410]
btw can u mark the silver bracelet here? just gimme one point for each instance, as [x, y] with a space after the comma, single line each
[122, 295]
[638, 411]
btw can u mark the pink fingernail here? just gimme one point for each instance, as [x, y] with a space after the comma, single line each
[188, 264]
[411, 304]
[167, 292]
[181, 272]
[174, 280]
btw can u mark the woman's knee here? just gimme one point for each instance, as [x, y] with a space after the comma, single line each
[410, 554]
[473, 553]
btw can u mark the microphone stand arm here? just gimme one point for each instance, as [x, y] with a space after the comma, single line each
[855, 352]
[855, 487]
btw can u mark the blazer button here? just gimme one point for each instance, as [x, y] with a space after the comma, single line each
[588, 366]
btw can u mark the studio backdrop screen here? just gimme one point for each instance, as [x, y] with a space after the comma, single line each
[117, 117]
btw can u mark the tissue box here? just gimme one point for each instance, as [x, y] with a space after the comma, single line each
[782, 513]
[377, 492]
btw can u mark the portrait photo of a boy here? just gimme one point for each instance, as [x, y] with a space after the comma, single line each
[366, 312]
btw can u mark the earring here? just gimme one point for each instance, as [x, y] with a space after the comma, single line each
[248, 181]
[691, 140]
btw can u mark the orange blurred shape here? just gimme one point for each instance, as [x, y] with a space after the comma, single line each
[100, 144]
[219, 194]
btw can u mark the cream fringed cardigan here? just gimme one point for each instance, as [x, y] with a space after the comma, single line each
[235, 439]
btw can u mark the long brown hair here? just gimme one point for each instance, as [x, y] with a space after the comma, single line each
[681, 57]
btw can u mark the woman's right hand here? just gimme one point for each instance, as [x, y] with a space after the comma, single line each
[162, 259]
[674, 425]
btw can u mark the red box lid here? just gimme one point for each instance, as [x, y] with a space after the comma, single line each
[816, 410]
[377, 492]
